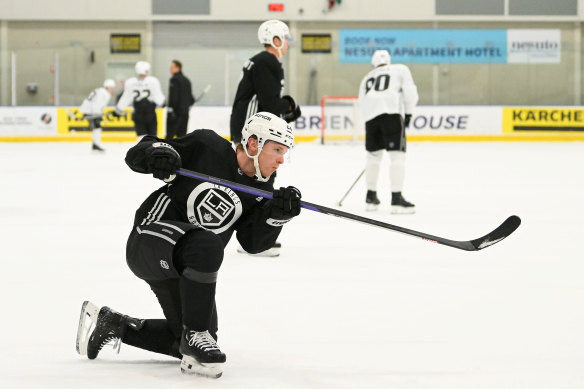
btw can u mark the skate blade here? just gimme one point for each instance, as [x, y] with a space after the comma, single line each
[190, 366]
[272, 252]
[398, 210]
[371, 207]
[87, 321]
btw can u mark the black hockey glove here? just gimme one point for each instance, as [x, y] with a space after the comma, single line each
[292, 116]
[285, 204]
[291, 102]
[162, 161]
[407, 120]
[293, 112]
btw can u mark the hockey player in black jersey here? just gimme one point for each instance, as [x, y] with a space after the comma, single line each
[261, 88]
[181, 230]
[262, 81]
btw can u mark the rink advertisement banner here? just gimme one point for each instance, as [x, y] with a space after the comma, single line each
[527, 120]
[340, 122]
[64, 122]
[70, 120]
[452, 46]
[456, 120]
[28, 121]
[343, 122]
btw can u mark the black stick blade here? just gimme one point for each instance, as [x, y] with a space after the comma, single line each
[498, 234]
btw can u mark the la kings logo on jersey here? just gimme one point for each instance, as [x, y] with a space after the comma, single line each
[213, 207]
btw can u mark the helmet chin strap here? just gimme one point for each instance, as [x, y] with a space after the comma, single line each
[256, 164]
[258, 174]
[279, 48]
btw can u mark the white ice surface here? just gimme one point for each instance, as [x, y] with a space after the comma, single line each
[346, 305]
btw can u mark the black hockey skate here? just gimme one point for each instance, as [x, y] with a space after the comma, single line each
[399, 205]
[372, 201]
[98, 327]
[201, 354]
[97, 148]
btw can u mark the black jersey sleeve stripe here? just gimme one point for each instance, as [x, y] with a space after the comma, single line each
[152, 209]
[155, 213]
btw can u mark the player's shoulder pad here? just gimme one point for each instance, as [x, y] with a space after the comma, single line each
[207, 137]
[130, 82]
[399, 67]
[265, 58]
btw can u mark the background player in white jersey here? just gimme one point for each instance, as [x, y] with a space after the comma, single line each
[92, 110]
[385, 93]
[144, 94]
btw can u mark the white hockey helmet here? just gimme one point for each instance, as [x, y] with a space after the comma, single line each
[273, 28]
[266, 127]
[380, 57]
[109, 83]
[142, 68]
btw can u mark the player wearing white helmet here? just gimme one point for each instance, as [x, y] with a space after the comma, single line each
[262, 82]
[92, 110]
[180, 233]
[386, 93]
[144, 94]
[275, 29]
[261, 87]
[266, 127]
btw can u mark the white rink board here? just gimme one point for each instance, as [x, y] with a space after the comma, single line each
[26, 121]
[456, 120]
[340, 120]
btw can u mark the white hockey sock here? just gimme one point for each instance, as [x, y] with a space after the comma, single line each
[96, 136]
[397, 170]
[372, 168]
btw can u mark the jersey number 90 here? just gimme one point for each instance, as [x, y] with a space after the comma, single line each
[380, 83]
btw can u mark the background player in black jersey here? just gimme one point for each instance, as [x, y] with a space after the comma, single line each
[180, 232]
[144, 94]
[261, 88]
[180, 100]
[262, 81]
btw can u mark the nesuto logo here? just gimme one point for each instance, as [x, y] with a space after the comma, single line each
[543, 45]
[534, 46]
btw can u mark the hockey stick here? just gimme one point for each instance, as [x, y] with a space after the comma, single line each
[340, 203]
[497, 235]
[203, 93]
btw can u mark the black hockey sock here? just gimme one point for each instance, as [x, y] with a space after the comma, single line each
[154, 336]
[198, 302]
